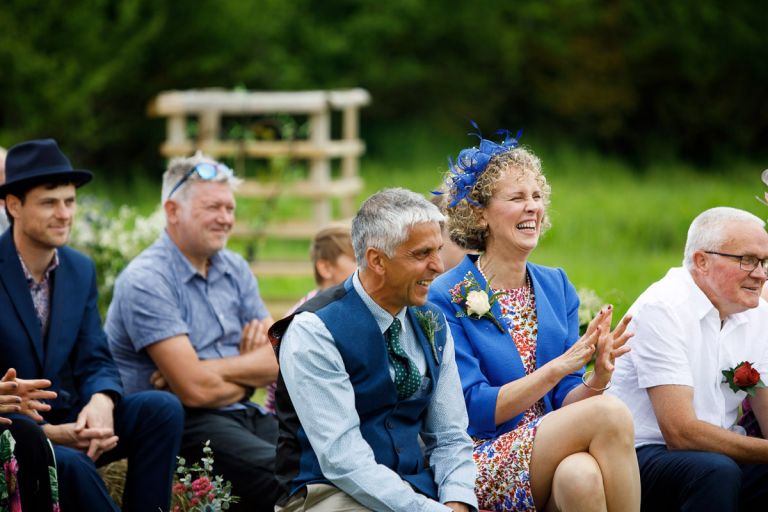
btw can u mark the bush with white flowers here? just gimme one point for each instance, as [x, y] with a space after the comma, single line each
[112, 238]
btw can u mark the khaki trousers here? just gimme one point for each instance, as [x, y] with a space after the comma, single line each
[321, 498]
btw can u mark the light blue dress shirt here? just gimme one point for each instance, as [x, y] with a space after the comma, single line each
[322, 394]
[160, 295]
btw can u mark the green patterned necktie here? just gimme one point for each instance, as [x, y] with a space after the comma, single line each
[407, 378]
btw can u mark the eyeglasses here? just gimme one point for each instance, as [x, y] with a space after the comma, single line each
[747, 263]
[206, 171]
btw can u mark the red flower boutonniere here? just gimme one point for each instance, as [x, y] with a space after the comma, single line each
[743, 378]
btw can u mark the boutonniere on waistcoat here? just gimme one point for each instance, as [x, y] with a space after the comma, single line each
[430, 324]
[476, 301]
[743, 378]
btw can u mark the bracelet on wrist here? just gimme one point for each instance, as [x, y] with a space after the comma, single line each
[589, 374]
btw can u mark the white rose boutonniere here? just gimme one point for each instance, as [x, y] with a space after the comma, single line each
[477, 302]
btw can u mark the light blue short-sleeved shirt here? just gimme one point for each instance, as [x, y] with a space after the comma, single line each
[160, 295]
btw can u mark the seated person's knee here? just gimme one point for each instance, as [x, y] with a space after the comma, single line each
[578, 477]
[614, 416]
[721, 471]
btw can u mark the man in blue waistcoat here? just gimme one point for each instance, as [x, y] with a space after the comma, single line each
[368, 369]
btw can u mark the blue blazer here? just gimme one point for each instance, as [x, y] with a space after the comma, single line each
[75, 356]
[487, 358]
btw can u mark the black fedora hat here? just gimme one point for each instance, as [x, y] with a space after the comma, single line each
[31, 163]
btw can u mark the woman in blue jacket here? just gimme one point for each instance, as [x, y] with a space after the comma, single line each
[544, 437]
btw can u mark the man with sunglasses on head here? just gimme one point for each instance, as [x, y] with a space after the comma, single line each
[187, 316]
[693, 329]
[50, 329]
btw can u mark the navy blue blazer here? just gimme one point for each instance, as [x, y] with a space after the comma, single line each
[487, 358]
[75, 356]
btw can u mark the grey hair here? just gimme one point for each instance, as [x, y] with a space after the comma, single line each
[709, 230]
[179, 166]
[385, 218]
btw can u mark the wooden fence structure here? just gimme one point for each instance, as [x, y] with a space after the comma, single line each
[208, 108]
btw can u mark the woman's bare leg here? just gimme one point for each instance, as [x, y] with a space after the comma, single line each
[600, 426]
[577, 486]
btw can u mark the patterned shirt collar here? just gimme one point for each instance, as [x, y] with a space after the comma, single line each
[46, 276]
[41, 292]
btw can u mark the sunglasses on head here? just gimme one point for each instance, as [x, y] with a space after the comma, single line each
[205, 171]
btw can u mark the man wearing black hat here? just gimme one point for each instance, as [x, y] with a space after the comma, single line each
[50, 328]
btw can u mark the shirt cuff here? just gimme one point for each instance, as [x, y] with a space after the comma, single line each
[112, 394]
[459, 493]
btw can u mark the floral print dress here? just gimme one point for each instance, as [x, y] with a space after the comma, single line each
[10, 494]
[503, 478]
[10, 500]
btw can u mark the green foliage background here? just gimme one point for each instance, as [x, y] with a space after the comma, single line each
[644, 112]
[634, 77]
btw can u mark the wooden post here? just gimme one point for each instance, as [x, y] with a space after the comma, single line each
[320, 166]
[349, 132]
[209, 126]
[176, 129]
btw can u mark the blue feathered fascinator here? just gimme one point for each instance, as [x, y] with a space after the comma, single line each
[471, 163]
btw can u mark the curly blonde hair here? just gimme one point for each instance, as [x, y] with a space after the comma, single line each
[465, 225]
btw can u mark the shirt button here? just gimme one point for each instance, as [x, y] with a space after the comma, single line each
[397, 449]
[388, 424]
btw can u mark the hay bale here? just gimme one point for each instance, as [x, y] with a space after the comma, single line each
[113, 475]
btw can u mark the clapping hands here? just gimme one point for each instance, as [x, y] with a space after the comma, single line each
[23, 396]
[602, 343]
[610, 345]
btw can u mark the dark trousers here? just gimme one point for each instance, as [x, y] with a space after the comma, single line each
[33, 453]
[692, 481]
[149, 425]
[244, 446]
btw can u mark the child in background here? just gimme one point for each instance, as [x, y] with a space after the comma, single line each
[333, 260]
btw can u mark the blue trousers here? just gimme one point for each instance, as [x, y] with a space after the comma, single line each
[149, 425]
[692, 481]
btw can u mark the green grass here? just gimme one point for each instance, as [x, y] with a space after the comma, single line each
[616, 229]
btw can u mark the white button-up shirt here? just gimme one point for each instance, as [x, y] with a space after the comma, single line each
[679, 340]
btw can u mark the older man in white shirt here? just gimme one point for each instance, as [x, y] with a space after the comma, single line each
[691, 326]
